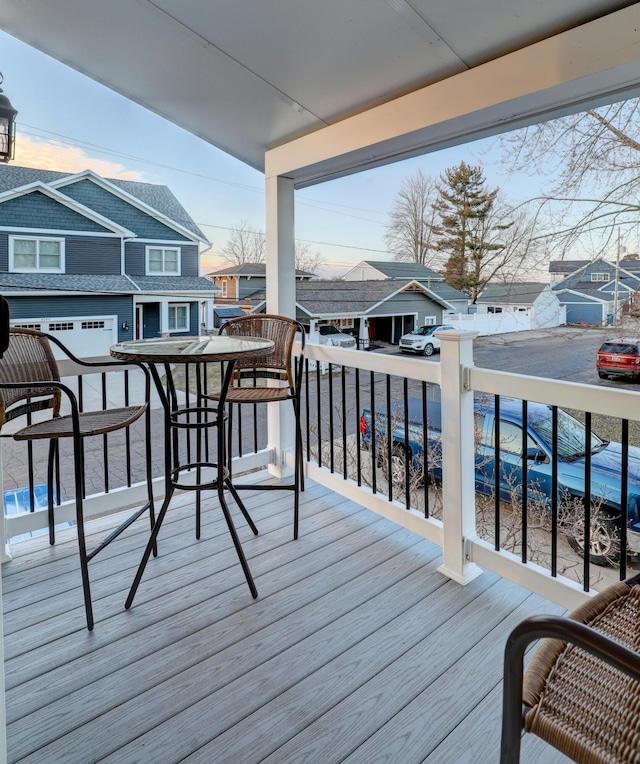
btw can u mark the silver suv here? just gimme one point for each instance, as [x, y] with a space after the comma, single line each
[422, 341]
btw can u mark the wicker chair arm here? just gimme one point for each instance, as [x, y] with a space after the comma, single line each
[82, 362]
[555, 627]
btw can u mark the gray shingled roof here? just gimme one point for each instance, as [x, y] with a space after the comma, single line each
[566, 266]
[402, 270]
[250, 269]
[53, 282]
[523, 292]
[353, 297]
[174, 283]
[158, 197]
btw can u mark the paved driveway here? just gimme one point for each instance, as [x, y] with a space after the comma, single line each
[560, 353]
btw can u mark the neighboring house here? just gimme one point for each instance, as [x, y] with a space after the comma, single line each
[369, 270]
[241, 287]
[535, 300]
[96, 261]
[597, 289]
[379, 309]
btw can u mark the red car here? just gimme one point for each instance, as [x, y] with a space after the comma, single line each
[619, 358]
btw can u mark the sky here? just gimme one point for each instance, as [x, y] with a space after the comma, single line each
[70, 123]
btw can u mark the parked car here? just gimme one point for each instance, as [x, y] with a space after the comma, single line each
[421, 340]
[605, 457]
[619, 358]
[330, 335]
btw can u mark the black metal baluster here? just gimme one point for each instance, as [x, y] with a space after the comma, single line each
[554, 491]
[408, 458]
[425, 450]
[389, 438]
[331, 446]
[358, 429]
[624, 498]
[105, 439]
[374, 435]
[587, 499]
[497, 470]
[525, 481]
[344, 422]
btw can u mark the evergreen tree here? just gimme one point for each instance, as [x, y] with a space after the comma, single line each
[466, 234]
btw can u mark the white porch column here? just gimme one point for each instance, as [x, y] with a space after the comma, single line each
[164, 317]
[208, 314]
[458, 456]
[281, 299]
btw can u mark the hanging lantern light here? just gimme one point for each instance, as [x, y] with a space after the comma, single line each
[7, 126]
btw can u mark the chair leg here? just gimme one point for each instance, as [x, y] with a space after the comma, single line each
[152, 514]
[234, 535]
[298, 472]
[53, 450]
[82, 545]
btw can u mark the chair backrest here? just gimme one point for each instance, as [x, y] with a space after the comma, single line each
[279, 363]
[28, 358]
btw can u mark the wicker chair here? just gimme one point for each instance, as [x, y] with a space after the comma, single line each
[30, 381]
[581, 692]
[279, 366]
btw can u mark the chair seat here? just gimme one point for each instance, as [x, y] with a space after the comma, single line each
[578, 703]
[255, 394]
[91, 423]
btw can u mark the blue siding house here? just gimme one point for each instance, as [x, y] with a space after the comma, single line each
[96, 261]
[593, 291]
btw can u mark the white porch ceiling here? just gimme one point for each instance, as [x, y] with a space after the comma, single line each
[252, 75]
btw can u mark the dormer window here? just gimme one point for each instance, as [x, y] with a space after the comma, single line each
[600, 277]
[163, 261]
[31, 254]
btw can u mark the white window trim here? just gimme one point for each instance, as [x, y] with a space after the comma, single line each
[164, 248]
[224, 288]
[176, 305]
[600, 276]
[17, 237]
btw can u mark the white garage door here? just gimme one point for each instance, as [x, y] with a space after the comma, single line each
[86, 337]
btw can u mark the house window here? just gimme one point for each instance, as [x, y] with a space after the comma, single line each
[163, 260]
[224, 288]
[28, 254]
[179, 317]
[600, 277]
[494, 309]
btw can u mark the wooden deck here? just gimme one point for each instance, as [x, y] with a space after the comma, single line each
[356, 650]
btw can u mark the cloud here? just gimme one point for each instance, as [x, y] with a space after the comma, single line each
[50, 155]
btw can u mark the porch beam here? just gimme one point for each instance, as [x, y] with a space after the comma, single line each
[593, 64]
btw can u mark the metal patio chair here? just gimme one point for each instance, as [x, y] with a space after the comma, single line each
[581, 692]
[29, 382]
[280, 367]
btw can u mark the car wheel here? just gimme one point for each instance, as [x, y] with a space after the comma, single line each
[602, 375]
[428, 349]
[604, 543]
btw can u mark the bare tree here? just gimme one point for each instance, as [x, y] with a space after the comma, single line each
[410, 233]
[591, 164]
[246, 244]
[307, 259]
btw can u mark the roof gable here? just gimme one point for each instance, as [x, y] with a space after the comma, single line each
[38, 206]
[156, 200]
[113, 200]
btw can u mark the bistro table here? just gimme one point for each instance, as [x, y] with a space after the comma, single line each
[196, 351]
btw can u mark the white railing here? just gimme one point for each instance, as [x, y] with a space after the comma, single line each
[464, 553]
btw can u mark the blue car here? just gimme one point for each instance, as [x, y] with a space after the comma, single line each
[606, 463]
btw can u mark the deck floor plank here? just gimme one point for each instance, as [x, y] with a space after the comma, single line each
[357, 648]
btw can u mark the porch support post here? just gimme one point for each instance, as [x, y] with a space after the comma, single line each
[458, 455]
[164, 317]
[281, 300]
